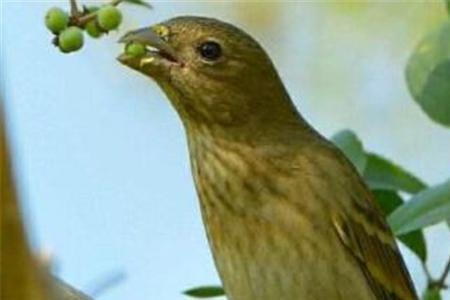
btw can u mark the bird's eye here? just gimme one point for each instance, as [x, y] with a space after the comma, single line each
[210, 50]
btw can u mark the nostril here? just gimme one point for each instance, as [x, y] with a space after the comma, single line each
[162, 31]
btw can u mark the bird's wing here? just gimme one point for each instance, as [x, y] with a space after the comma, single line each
[367, 237]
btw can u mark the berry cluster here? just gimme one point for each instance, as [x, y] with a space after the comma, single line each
[68, 29]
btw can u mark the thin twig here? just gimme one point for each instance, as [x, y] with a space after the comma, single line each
[427, 272]
[81, 20]
[441, 280]
[74, 11]
[104, 283]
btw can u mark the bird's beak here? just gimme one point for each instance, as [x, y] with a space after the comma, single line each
[158, 50]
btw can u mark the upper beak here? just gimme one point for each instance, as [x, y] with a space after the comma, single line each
[150, 38]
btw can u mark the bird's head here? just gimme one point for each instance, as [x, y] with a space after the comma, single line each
[214, 73]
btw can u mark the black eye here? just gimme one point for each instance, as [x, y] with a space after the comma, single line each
[210, 50]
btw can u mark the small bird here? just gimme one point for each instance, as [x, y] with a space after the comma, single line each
[286, 214]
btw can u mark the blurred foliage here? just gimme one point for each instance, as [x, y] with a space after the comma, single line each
[428, 74]
[348, 142]
[426, 208]
[381, 173]
[365, 14]
[262, 17]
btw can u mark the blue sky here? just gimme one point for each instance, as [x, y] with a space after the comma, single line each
[102, 158]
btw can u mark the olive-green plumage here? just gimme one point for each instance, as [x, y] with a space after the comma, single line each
[287, 216]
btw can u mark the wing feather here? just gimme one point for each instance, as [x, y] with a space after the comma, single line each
[369, 240]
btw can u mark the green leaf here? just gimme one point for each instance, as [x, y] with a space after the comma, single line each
[348, 142]
[139, 2]
[432, 294]
[448, 6]
[388, 202]
[428, 75]
[427, 208]
[205, 291]
[415, 241]
[381, 173]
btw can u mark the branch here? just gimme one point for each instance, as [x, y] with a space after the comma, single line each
[21, 277]
[441, 280]
[427, 272]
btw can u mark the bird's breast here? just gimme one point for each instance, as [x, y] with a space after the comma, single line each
[263, 229]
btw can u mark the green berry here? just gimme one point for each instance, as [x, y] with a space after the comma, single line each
[56, 20]
[71, 39]
[93, 30]
[135, 49]
[109, 17]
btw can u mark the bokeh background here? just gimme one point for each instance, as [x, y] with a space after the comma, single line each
[101, 156]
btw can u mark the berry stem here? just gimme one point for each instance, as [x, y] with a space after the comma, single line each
[83, 20]
[74, 11]
[79, 19]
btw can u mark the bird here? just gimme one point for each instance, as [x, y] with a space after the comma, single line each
[287, 216]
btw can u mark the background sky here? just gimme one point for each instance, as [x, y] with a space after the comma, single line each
[102, 159]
